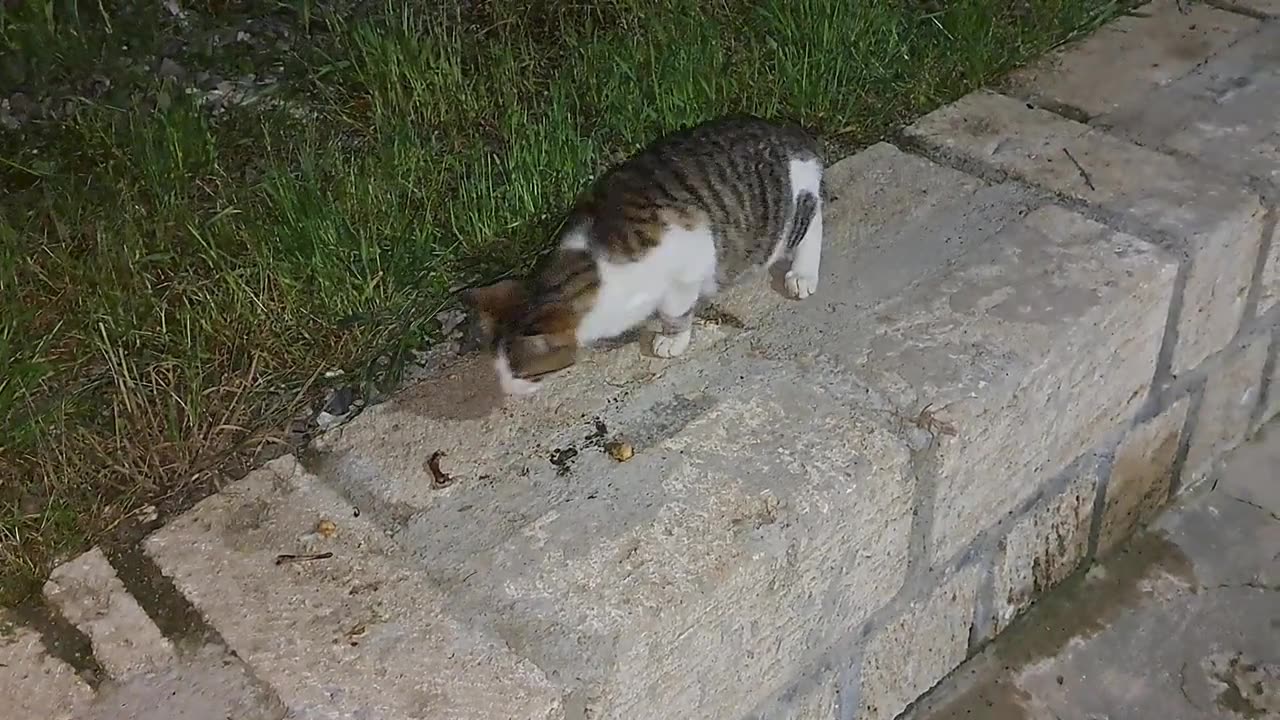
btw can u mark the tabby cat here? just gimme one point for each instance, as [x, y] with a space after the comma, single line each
[653, 235]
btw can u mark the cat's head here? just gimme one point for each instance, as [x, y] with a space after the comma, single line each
[530, 335]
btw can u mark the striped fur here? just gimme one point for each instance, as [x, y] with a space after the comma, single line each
[682, 218]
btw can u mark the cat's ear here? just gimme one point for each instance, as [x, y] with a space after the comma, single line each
[495, 305]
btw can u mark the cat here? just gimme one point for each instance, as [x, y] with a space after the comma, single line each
[654, 235]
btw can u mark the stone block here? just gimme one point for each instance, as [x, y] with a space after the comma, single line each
[908, 657]
[89, 595]
[33, 683]
[358, 633]
[1117, 66]
[1059, 317]
[1230, 395]
[1141, 475]
[1223, 113]
[1218, 227]
[1044, 546]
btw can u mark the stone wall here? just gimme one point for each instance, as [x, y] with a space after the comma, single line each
[1046, 309]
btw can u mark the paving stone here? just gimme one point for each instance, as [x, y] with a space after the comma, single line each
[1045, 546]
[1224, 113]
[90, 595]
[1218, 226]
[1141, 475]
[358, 634]
[1230, 395]
[913, 653]
[1117, 66]
[33, 683]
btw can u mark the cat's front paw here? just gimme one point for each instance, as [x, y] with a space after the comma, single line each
[669, 346]
[801, 286]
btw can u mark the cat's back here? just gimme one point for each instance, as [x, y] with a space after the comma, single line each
[732, 170]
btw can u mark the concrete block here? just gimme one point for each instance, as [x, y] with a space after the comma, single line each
[1044, 546]
[907, 658]
[1223, 113]
[355, 634]
[1117, 66]
[1058, 317]
[1217, 226]
[1230, 395]
[33, 683]
[1141, 475]
[89, 595]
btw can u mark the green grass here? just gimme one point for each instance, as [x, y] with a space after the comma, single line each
[173, 283]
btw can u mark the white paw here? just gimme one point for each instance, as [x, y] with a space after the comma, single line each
[669, 346]
[801, 286]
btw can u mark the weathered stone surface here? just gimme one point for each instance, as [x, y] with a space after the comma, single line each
[1218, 226]
[1266, 7]
[1224, 113]
[203, 683]
[1141, 475]
[817, 699]
[1059, 318]
[912, 654]
[1230, 395]
[1272, 399]
[687, 581]
[356, 634]
[90, 595]
[1131, 56]
[34, 684]
[1269, 283]
[1045, 546]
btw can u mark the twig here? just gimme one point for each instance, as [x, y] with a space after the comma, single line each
[1083, 173]
[288, 558]
[439, 478]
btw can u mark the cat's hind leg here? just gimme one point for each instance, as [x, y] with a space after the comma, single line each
[802, 278]
[805, 240]
[676, 316]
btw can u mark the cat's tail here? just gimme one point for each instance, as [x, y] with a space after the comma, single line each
[806, 208]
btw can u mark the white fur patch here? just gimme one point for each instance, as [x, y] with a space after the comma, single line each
[511, 385]
[630, 293]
